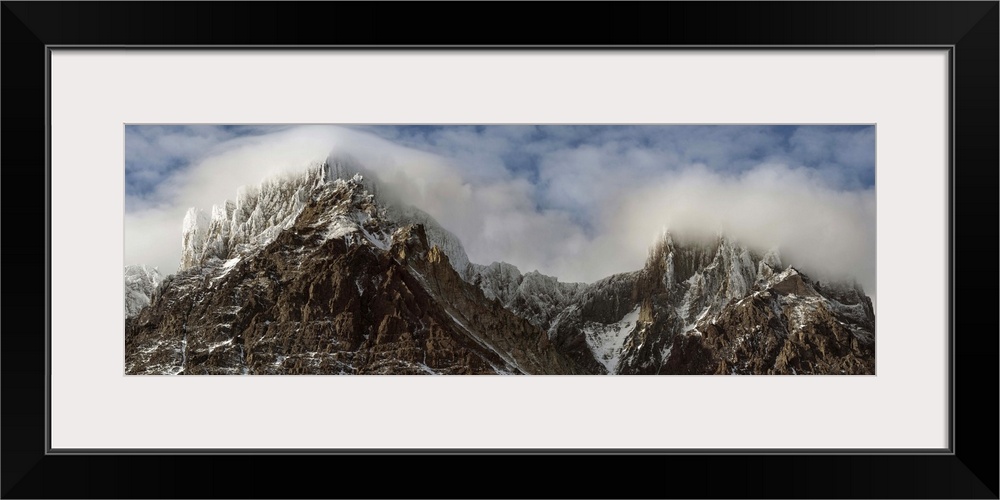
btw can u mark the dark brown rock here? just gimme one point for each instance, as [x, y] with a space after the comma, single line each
[308, 305]
[344, 288]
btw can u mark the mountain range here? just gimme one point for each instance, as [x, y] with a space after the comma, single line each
[325, 271]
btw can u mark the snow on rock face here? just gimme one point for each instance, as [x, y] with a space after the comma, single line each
[606, 340]
[693, 308]
[737, 311]
[260, 213]
[193, 237]
[708, 276]
[140, 283]
[533, 296]
[256, 217]
[498, 280]
[398, 215]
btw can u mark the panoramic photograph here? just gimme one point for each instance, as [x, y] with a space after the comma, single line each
[499, 249]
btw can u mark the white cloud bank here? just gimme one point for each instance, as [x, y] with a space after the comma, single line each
[586, 212]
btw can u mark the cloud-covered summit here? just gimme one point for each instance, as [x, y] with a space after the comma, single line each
[577, 202]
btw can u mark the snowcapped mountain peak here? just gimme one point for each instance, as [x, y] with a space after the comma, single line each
[349, 273]
[259, 213]
[678, 258]
[140, 283]
[256, 215]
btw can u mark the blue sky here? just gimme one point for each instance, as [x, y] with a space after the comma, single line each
[575, 201]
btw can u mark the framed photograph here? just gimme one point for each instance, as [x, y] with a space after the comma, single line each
[310, 218]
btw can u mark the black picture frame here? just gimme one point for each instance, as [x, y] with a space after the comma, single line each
[969, 30]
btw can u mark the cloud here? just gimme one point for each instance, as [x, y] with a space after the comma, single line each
[153, 152]
[154, 216]
[577, 202]
[828, 233]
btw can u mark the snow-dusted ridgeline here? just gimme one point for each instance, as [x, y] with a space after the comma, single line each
[625, 322]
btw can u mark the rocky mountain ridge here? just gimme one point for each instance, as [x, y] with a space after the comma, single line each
[324, 272]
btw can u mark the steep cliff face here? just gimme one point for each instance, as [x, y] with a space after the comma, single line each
[523, 346]
[324, 272]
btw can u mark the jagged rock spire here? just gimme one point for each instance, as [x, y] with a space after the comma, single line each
[261, 212]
